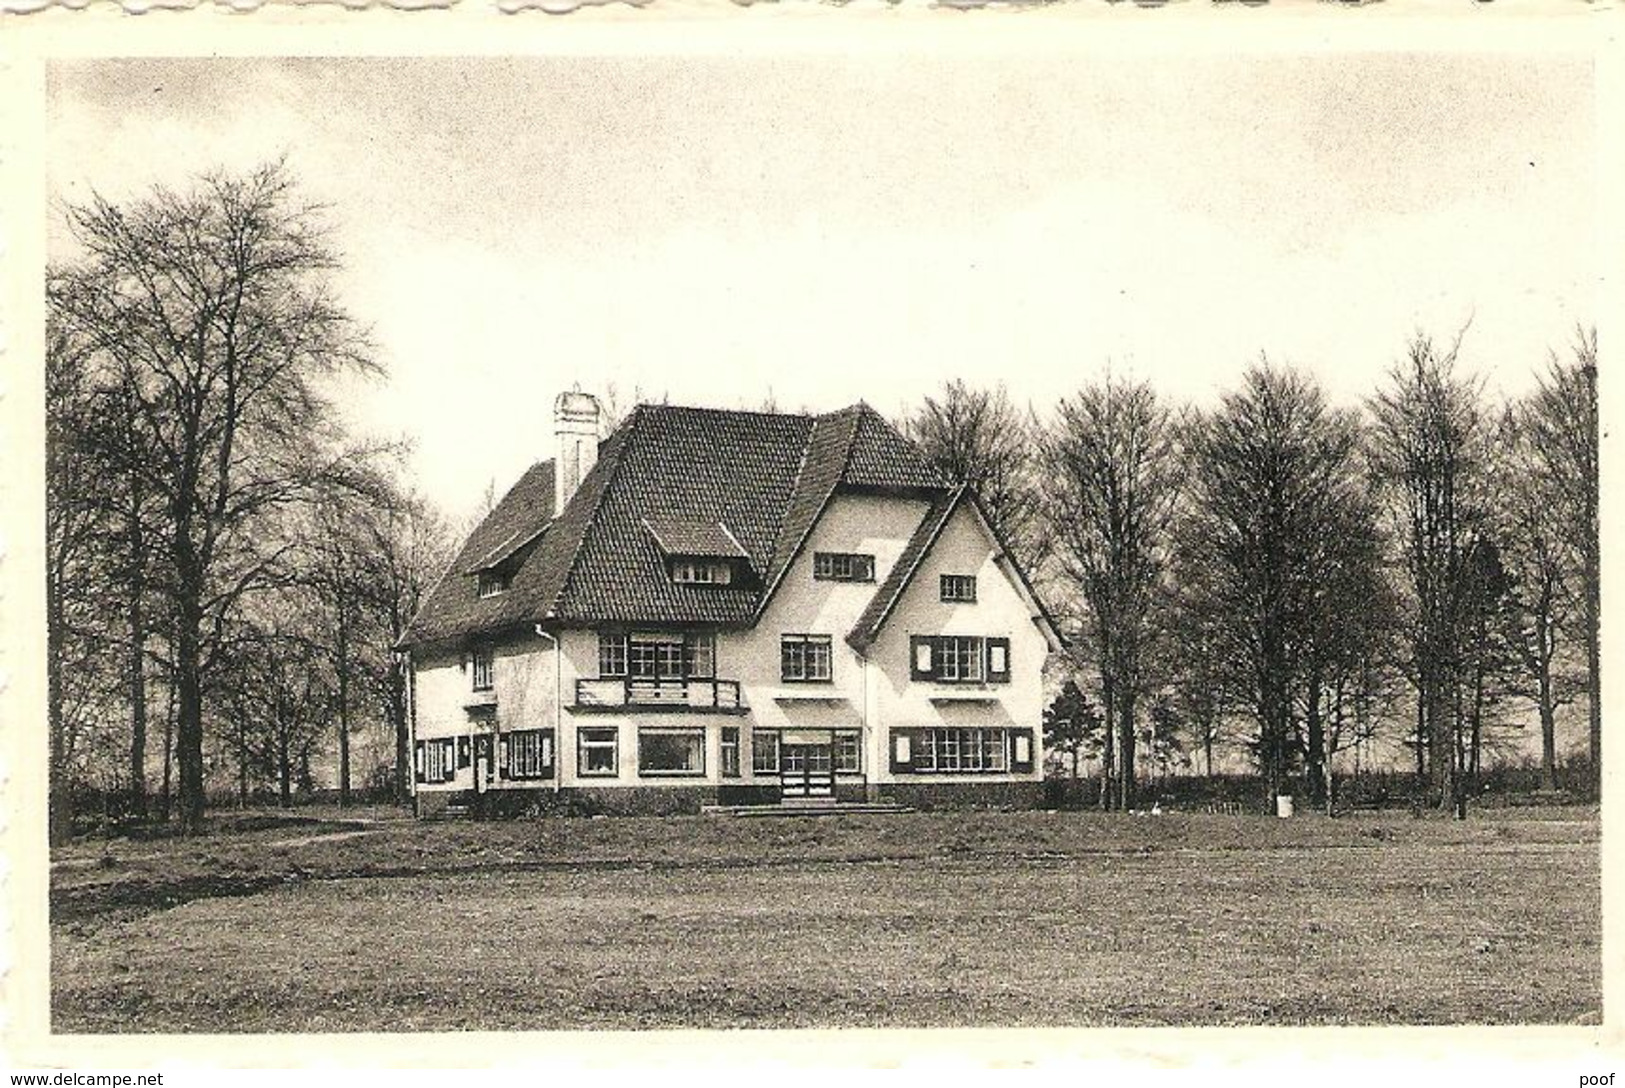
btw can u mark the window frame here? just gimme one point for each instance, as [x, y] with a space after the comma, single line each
[758, 747]
[843, 567]
[695, 734]
[613, 645]
[959, 659]
[961, 750]
[848, 742]
[950, 588]
[482, 662]
[802, 642]
[545, 759]
[591, 738]
[728, 752]
[701, 572]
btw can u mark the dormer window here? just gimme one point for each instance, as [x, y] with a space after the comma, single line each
[493, 583]
[705, 572]
[843, 567]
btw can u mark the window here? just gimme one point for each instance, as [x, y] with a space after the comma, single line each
[492, 583]
[700, 655]
[959, 659]
[961, 751]
[649, 655]
[959, 588]
[671, 751]
[482, 669]
[805, 659]
[730, 751]
[436, 760]
[611, 654]
[764, 753]
[529, 753]
[597, 753]
[848, 753]
[701, 572]
[843, 567]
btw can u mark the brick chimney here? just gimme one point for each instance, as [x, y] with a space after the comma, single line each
[575, 428]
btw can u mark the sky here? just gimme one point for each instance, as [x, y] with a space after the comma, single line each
[820, 229]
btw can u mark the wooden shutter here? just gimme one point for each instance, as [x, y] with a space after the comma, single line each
[503, 750]
[450, 771]
[902, 744]
[1021, 745]
[998, 653]
[464, 755]
[924, 661]
[417, 761]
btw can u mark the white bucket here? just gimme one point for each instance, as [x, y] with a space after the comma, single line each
[1283, 806]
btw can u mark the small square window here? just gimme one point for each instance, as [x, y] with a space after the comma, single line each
[959, 588]
[598, 753]
[805, 659]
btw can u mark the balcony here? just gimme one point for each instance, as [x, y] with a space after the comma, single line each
[636, 693]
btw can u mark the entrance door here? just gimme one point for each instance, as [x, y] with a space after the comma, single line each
[807, 770]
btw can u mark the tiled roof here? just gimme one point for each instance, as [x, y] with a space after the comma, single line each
[689, 480]
[686, 536]
[453, 606]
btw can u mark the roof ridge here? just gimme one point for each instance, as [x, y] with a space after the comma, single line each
[783, 569]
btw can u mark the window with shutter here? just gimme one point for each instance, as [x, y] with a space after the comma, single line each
[902, 754]
[922, 657]
[998, 660]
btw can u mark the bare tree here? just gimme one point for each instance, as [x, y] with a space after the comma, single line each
[1110, 487]
[1429, 457]
[213, 305]
[75, 526]
[977, 436]
[1273, 546]
[1561, 420]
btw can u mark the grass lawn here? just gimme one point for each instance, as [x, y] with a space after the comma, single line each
[991, 919]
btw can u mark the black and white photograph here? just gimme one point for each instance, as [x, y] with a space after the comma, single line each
[990, 529]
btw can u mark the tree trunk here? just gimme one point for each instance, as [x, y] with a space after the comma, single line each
[284, 763]
[399, 671]
[344, 703]
[1108, 697]
[1125, 772]
[1548, 731]
[169, 752]
[61, 793]
[138, 698]
[1207, 747]
[189, 715]
[1594, 669]
[1315, 757]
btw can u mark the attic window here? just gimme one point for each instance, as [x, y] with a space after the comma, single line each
[492, 583]
[843, 567]
[703, 572]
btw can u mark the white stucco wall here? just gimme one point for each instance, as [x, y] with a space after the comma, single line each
[871, 692]
[964, 547]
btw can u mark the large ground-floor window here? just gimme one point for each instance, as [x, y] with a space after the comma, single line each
[671, 751]
[961, 751]
[529, 753]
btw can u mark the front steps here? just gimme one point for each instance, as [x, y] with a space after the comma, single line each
[811, 806]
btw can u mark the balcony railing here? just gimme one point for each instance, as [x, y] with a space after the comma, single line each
[636, 693]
